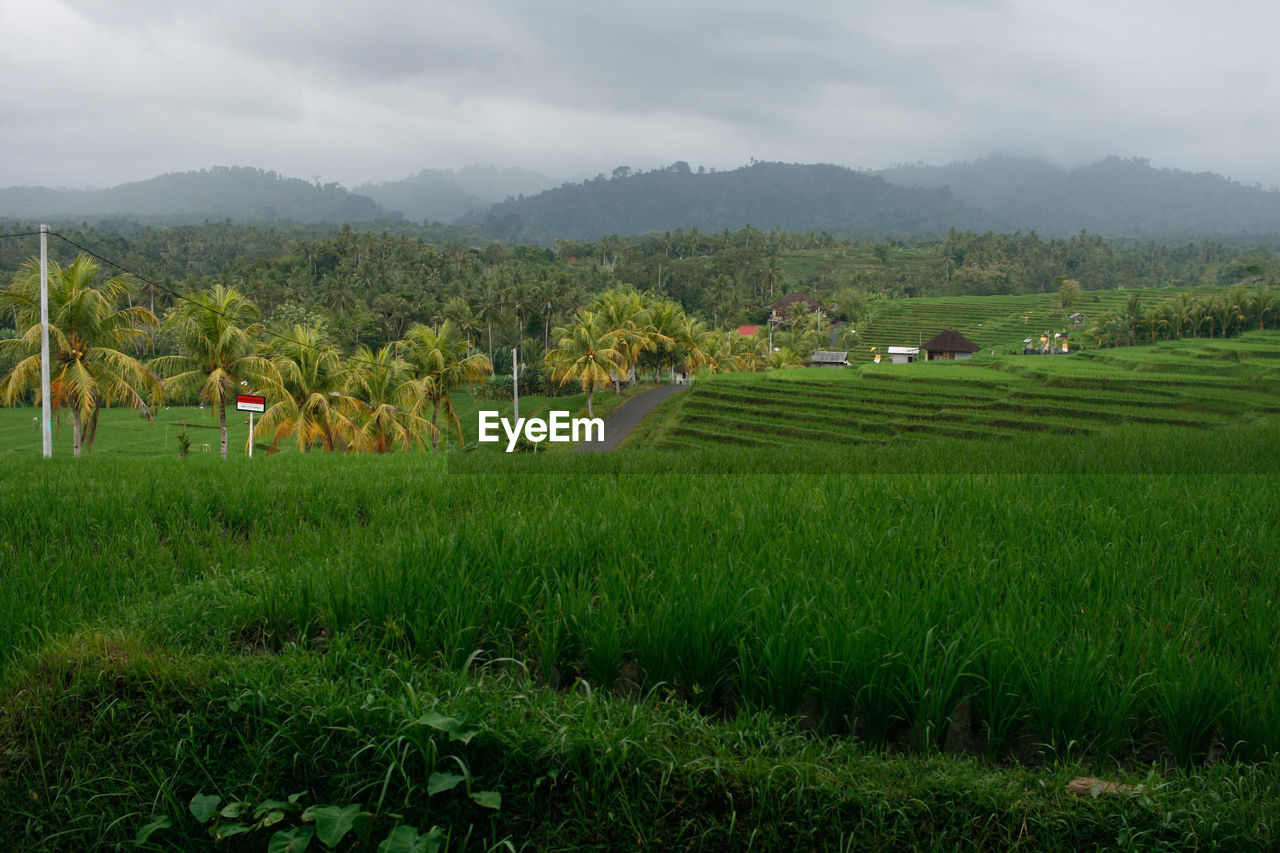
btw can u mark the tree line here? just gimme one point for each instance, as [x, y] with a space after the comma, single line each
[370, 399]
[1218, 315]
[370, 286]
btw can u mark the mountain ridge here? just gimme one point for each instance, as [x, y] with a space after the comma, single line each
[1114, 197]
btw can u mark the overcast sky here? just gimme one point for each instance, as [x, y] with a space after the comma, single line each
[99, 92]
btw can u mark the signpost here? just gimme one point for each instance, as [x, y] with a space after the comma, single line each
[249, 403]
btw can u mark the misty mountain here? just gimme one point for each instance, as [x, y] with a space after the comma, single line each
[446, 195]
[1114, 197]
[236, 193]
[997, 184]
[765, 195]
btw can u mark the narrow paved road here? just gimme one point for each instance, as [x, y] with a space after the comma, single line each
[627, 417]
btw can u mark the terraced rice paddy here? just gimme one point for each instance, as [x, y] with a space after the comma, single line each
[993, 322]
[1200, 383]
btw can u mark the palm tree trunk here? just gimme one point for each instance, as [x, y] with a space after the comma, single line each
[77, 427]
[590, 413]
[435, 433]
[222, 426]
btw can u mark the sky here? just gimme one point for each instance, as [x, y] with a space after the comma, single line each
[102, 92]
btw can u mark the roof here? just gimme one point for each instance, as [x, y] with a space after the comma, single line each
[904, 350]
[950, 341]
[748, 331]
[823, 356]
[792, 298]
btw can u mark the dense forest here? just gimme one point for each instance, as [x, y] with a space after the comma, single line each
[366, 286]
[790, 196]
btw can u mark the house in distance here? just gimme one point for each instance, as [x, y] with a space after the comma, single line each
[949, 345]
[780, 308]
[903, 355]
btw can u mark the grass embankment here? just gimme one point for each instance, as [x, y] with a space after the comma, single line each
[1192, 383]
[643, 660]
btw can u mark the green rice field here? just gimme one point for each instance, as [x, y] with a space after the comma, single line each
[888, 607]
[1198, 384]
[999, 323]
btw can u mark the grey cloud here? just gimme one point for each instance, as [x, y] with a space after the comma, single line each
[384, 88]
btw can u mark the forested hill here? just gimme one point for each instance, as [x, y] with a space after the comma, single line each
[1114, 197]
[763, 195]
[239, 194]
[445, 195]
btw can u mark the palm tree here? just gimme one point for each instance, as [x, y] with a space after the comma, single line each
[783, 358]
[623, 315]
[440, 362]
[692, 344]
[312, 406]
[748, 352]
[89, 335]
[219, 335]
[543, 300]
[586, 353]
[386, 393]
[489, 307]
[665, 319]
[773, 275]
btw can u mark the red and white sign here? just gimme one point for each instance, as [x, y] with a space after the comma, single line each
[247, 403]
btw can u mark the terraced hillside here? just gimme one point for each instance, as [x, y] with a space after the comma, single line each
[993, 322]
[1195, 383]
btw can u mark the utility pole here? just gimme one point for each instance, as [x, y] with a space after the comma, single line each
[46, 406]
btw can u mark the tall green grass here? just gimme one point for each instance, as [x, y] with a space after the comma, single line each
[1096, 614]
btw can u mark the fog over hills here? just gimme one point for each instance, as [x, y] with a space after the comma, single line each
[445, 195]
[236, 193]
[1112, 197]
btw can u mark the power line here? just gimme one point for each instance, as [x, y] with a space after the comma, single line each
[23, 234]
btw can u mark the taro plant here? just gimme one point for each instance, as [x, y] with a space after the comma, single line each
[293, 826]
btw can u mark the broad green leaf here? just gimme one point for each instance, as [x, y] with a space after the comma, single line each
[291, 840]
[451, 725]
[488, 799]
[162, 822]
[271, 818]
[334, 822]
[440, 722]
[274, 805]
[464, 737]
[226, 830]
[204, 806]
[441, 782]
[407, 839]
[234, 810]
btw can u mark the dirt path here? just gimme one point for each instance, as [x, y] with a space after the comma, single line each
[627, 417]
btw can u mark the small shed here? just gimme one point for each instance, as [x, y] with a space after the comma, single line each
[904, 355]
[748, 331]
[949, 345]
[829, 358]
